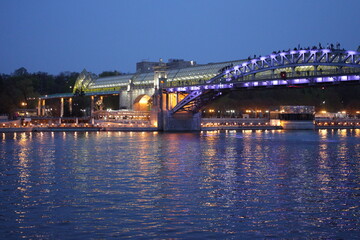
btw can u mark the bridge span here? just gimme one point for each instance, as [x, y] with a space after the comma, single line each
[176, 96]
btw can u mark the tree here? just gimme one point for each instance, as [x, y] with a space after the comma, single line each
[110, 73]
[20, 72]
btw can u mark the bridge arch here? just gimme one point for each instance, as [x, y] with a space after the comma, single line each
[315, 61]
[315, 66]
[142, 103]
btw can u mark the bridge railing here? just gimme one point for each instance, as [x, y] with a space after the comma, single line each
[271, 76]
[298, 74]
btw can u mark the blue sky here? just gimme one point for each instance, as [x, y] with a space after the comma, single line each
[101, 35]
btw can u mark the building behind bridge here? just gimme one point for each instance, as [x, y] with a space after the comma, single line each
[146, 66]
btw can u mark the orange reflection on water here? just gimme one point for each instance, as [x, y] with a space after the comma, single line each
[210, 138]
[23, 166]
[323, 133]
[343, 133]
[357, 132]
[142, 152]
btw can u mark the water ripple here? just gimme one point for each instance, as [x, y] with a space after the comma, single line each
[220, 185]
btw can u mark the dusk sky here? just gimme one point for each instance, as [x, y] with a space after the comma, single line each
[103, 35]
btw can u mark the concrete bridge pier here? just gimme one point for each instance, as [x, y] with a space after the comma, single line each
[181, 121]
[177, 122]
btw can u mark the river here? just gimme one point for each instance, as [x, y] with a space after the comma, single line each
[208, 185]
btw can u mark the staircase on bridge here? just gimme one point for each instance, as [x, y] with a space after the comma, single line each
[283, 69]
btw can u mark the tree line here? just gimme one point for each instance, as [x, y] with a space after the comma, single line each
[21, 88]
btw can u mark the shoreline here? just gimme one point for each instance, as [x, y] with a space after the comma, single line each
[152, 129]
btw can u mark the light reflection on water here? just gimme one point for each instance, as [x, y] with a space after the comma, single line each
[230, 184]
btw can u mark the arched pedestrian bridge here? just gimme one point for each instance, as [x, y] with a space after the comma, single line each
[178, 93]
[284, 69]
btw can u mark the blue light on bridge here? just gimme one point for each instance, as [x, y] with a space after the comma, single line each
[278, 82]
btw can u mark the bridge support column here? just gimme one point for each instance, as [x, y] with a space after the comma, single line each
[70, 106]
[39, 107]
[42, 107]
[102, 101]
[125, 99]
[181, 121]
[167, 101]
[168, 122]
[92, 105]
[61, 107]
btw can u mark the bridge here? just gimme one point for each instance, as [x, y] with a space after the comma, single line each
[175, 96]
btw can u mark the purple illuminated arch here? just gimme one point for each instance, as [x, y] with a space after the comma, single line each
[293, 58]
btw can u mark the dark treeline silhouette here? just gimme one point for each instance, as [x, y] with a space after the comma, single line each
[110, 73]
[24, 87]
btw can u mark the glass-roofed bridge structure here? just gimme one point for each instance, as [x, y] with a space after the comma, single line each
[176, 95]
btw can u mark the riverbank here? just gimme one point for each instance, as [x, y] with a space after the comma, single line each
[75, 129]
[151, 129]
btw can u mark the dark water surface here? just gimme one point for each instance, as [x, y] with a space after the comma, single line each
[209, 185]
